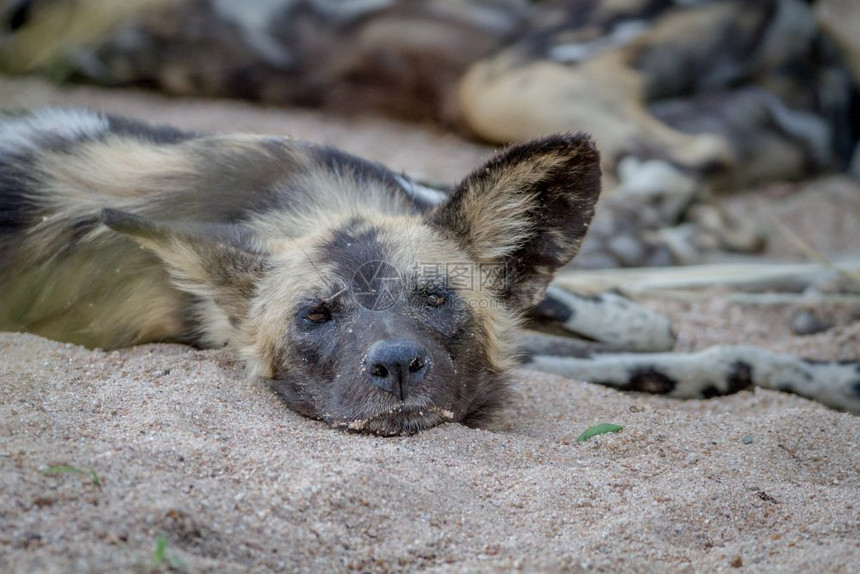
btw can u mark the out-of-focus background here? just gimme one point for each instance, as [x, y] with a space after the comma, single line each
[685, 99]
[688, 101]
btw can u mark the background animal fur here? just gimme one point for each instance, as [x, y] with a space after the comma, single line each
[739, 89]
[682, 97]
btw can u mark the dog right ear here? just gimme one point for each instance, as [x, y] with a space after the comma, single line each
[222, 263]
[528, 210]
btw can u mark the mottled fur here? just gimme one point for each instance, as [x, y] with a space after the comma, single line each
[744, 91]
[719, 93]
[349, 56]
[116, 233]
[728, 89]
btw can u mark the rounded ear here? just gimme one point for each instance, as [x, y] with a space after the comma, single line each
[218, 262]
[526, 211]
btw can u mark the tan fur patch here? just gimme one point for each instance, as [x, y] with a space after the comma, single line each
[60, 26]
[535, 100]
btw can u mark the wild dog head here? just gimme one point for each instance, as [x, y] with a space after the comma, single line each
[382, 321]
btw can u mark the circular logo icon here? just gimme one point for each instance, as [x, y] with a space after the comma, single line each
[377, 286]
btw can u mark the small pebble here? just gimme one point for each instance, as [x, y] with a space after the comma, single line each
[808, 323]
[747, 439]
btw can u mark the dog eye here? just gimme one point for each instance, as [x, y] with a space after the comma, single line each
[319, 315]
[436, 300]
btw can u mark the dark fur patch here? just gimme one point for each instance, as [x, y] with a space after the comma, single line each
[157, 134]
[365, 171]
[16, 212]
[19, 16]
[740, 378]
[831, 362]
[116, 126]
[588, 15]
[707, 62]
[486, 403]
[78, 229]
[551, 309]
[785, 387]
[246, 81]
[361, 169]
[650, 380]
[350, 249]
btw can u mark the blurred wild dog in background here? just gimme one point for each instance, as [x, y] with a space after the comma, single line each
[682, 97]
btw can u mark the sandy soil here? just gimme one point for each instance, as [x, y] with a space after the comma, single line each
[174, 444]
[185, 447]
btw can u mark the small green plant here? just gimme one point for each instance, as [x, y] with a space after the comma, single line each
[160, 556]
[602, 428]
[69, 469]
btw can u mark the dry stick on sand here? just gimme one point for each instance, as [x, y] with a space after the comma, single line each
[746, 276]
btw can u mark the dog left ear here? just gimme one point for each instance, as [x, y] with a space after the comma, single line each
[526, 211]
[215, 262]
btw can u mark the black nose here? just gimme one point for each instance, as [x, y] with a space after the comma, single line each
[396, 366]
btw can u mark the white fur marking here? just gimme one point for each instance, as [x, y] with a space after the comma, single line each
[620, 35]
[420, 192]
[32, 131]
[653, 178]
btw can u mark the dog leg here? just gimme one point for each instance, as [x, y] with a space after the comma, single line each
[607, 318]
[715, 371]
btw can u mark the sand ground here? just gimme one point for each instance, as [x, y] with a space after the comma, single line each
[174, 444]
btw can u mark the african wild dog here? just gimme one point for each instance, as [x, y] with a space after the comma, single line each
[331, 276]
[263, 244]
